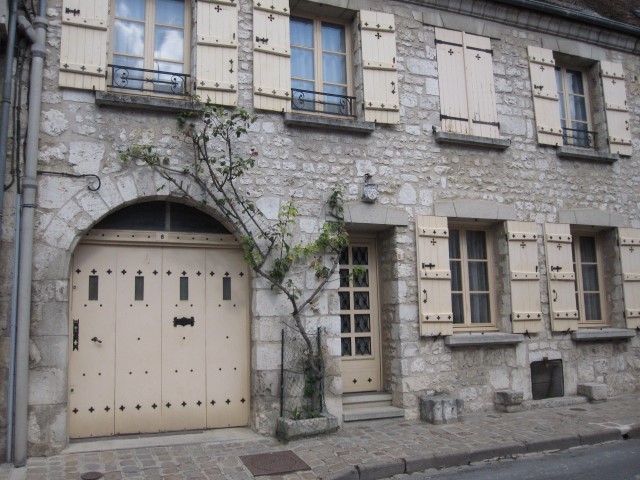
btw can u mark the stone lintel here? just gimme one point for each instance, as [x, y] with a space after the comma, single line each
[482, 339]
[330, 123]
[588, 216]
[374, 215]
[574, 153]
[146, 102]
[602, 334]
[474, 208]
[472, 140]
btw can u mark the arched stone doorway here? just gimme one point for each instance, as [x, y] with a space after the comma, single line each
[159, 324]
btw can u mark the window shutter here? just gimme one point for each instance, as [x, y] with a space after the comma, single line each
[217, 51]
[526, 315]
[434, 272]
[271, 55]
[561, 277]
[629, 241]
[380, 74]
[545, 95]
[83, 46]
[454, 108]
[616, 108]
[481, 93]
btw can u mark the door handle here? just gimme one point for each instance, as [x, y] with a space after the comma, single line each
[184, 321]
[96, 340]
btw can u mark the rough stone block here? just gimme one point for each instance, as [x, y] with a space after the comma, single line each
[289, 429]
[595, 392]
[508, 400]
[441, 409]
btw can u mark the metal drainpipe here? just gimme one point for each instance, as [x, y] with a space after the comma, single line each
[29, 183]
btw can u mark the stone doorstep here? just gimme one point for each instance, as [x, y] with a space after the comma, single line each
[372, 413]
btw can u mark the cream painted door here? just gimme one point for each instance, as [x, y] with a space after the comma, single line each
[359, 318]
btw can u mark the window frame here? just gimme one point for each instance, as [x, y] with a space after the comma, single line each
[317, 60]
[491, 277]
[565, 105]
[579, 281]
[148, 56]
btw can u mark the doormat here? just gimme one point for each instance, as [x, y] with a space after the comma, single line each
[274, 463]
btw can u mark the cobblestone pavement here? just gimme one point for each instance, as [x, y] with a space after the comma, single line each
[365, 450]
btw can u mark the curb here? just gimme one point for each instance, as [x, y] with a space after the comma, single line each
[420, 463]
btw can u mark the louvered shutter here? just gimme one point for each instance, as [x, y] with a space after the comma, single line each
[561, 277]
[83, 46]
[454, 108]
[434, 272]
[380, 74]
[545, 95]
[271, 55]
[629, 241]
[526, 315]
[217, 51]
[481, 92]
[616, 108]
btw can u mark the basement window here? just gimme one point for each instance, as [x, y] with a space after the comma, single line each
[547, 379]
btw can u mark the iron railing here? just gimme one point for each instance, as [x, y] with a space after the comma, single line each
[575, 137]
[146, 80]
[321, 102]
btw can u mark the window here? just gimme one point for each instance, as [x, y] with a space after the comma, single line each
[319, 75]
[574, 108]
[471, 283]
[588, 278]
[149, 48]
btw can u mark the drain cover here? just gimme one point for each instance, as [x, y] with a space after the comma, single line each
[275, 463]
[91, 476]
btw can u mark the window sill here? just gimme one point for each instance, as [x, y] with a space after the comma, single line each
[482, 339]
[575, 153]
[471, 140]
[329, 123]
[602, 334]
[146, 102]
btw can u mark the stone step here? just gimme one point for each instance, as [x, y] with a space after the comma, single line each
[368, 400]
[554, 402]
[372, 413]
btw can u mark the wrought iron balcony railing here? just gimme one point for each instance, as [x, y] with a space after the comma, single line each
[574, 137]
[321, 102]
[145, 80]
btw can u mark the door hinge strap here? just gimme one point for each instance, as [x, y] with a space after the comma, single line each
[449, 117]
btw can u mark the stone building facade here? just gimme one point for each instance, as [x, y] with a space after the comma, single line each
[465, 158]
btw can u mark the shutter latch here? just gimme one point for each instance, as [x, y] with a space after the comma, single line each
[75, 11]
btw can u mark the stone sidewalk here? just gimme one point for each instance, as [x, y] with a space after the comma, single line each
[359, 451]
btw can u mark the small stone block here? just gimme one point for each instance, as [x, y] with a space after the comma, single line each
[508, 397]
[441, 409]
[595, 392]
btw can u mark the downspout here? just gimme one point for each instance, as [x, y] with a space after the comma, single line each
[29, 183]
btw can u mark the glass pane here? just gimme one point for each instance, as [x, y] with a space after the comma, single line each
[184, 288]
[458, 308]
[574, 82]
[345, 303]
[334, 68]
[362, 323]
[302, 64]
[344, 277]
[129, 38]
[588, 249]
[336, 103]
[476, 245]
[346, 347]
[454, 243]
[590, 278]
[480, 312]
[363, 346]
[345, 323]
[166, 82]
[226, 288]
[361, 300]
[139, 288]
[168, 45]
[170, 12]
[360, 256]
[303, 100]
[559, 81]
[93, 287]
[333, 38]
[133, 9]
[592, 306]
[126, 78]
[478, 277]
[301, 32]
[361, 280]
[578, 107]
[344, 257]
[456, 275]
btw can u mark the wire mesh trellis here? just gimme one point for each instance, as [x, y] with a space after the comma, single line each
[301, 391]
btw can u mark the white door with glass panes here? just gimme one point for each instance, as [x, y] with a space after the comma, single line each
[359, 318]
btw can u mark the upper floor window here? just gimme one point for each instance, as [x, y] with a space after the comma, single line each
[320, 78]
[574, 108]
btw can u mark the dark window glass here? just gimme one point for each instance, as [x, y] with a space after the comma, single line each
[93, 287]
[184, 288]
[226, 288]
[139, 288]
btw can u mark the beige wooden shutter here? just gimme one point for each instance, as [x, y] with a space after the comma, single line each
[271, 55]
[616, 108]
[561, 277]
[217, 51]
[481, 92]
[454, 107]
[629, 241]
[83, 46]
[380, 74]
[545, 95]
[434, 272]
[526, 315]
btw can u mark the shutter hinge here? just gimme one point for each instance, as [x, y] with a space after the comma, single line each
[448, 117]
[75, 11]
[448, 43]
[477, 49]
[482, 122]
